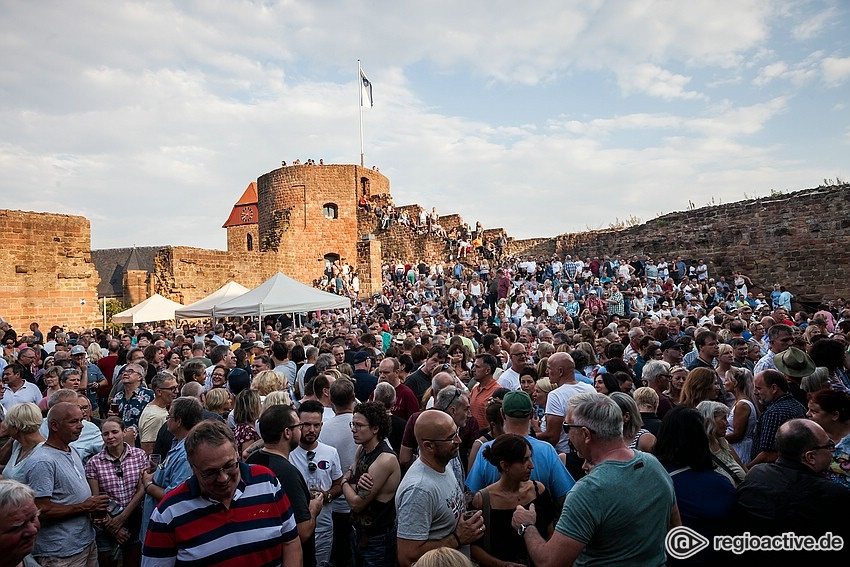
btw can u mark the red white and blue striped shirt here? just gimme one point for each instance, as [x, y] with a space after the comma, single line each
[188, 529]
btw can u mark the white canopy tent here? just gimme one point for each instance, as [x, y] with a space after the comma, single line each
[154, 308]
[280, 294]
[203, 308]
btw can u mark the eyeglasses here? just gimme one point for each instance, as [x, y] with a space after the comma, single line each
[295, 426]
[170, 389]
[828, 445]
[131, 371]
[311, 466]
[448, 439]
[568, 426]
[357, 426]
[213, 474]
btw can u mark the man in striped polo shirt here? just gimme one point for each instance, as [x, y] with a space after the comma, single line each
[226, 513]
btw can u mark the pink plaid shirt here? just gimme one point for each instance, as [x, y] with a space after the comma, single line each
[103, 468]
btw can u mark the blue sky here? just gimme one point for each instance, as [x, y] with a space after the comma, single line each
[150, 118]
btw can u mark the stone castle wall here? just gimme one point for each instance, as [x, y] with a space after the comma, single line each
[800, 240]
[46, 271]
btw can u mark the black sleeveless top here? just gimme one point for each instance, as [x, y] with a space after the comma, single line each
[505, 543]
[377, 517]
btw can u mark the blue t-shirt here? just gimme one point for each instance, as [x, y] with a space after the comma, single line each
[548, 469]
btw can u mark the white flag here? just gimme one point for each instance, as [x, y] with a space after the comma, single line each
[365, 90]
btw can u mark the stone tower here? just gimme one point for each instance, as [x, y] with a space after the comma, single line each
[308, 215]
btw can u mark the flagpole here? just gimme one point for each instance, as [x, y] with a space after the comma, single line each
[360, 90]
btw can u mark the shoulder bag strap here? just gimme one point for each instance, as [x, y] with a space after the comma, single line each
[485, 508]
[722, 465]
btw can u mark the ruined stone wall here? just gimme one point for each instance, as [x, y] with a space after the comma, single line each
[369, 265]
[535, 247]
[402, 243]
[46, 271]
[185, 274]
[800, 239]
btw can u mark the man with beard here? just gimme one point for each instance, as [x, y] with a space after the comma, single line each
[319, 464]
[429, 500]
[280, 428]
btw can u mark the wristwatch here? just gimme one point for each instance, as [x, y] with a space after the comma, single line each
[521, 529]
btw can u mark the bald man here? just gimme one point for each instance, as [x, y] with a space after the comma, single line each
[429, 500]
[561, 368]
[62, 495]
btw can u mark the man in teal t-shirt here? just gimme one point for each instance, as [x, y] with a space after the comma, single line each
[620, 512]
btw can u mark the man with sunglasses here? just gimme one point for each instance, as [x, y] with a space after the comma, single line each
[429, 501]
[599, 524]
[280, 428]
[226, 513]
[319, 464]
[164, 386]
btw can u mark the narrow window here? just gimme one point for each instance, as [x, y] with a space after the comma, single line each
[330, 211]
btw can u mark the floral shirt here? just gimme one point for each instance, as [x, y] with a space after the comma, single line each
[130, 410]
[839, 468]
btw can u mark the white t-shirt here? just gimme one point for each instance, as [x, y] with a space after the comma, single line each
[557, 404]
[326, 471]
[510, 379]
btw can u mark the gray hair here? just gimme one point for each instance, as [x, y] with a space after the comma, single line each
[385, 394]
[817, 380]
[449, 397]
[599, 413]
[653, 368]
[160, 379]
[191, 390]
[437, 379]
[710, 409]
[14, 495]
[324, 361]
[628, 405]
[59, 396]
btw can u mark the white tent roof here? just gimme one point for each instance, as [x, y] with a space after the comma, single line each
[154, 308]
[281, 294]
[204, 307]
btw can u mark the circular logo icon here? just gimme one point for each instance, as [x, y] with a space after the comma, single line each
[682, 542]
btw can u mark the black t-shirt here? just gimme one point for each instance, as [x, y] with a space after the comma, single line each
[296, 490]
[419, 382]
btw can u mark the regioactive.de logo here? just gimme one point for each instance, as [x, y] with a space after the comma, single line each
[682, 542]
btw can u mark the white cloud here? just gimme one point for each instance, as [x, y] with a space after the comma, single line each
[150, 118]
[814, 25]
[836, 70]
[657, 82]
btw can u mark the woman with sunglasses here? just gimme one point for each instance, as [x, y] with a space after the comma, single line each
[115, 471]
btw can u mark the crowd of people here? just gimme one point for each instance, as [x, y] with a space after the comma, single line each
[547, 412]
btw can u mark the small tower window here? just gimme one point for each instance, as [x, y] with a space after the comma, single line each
[330, 211]
[250, 242]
